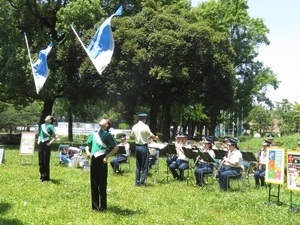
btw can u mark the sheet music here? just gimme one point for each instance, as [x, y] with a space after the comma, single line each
[157, 145]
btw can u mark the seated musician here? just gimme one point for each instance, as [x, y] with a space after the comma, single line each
[231, 165]
[152, 154]
[202, 166]
[224, 144]
[181, 162]
[262, 160]
[177, 142]
[120, 158]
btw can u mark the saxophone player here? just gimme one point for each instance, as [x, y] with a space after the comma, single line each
[259, 175]
[231, 165]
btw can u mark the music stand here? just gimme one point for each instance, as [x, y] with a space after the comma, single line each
[252, 157]
[206, 157]
[189, 153]
[169, 150]
[219, 154]
[121, 150]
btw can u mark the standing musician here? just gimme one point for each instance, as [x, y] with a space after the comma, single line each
[181, 162]
[231, 165]
[202, 166]
[178, 142]
[262, 160]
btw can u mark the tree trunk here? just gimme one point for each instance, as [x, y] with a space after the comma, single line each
[47, 110]
[70, 124]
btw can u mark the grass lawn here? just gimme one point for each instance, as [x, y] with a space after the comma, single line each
[66, 199]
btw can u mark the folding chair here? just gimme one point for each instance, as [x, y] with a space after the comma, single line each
[241, 176]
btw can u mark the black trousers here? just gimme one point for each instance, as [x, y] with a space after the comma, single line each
[44, 160]
[98, 177]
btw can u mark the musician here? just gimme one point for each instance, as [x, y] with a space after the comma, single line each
[231, 165]
[262, 160]
[181, 162]
[177, 143]
[120, 158]
[271, 140]
[202, 166]
[224, 144]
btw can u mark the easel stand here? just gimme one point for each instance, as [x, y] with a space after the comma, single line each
[277, 202]
[294, 207]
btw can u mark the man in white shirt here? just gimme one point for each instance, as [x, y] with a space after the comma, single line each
[141, 134]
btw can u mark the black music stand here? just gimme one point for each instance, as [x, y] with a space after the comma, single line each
[252, 157]
[169, 150]
[219, 153]
[191, 155]
[206, 157]
[121, 150]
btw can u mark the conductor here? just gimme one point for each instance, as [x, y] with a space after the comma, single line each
[141, 133]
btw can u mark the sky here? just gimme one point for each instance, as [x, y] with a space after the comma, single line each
[282, 55]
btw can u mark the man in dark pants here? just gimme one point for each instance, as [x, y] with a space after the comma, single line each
[100, 143]
[46, 132]
[141, 134]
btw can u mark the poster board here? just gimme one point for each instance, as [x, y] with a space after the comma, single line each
[1, 154]
[293, 170]
[27, 143]
[275, 166]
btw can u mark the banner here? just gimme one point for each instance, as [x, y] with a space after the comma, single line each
[293, 170]
[275, 166]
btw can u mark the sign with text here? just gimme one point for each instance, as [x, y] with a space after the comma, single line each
[1, 154]
[293, 170]
[275, 166]
[27, 143]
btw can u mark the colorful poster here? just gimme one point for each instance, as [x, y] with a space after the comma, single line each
[27, 143]
[293, 170]
[275, 166]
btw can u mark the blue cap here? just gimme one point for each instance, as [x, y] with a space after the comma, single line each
[143, 115]
[233, 141]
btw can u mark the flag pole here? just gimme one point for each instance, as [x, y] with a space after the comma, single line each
[30, 59]
[87, 52]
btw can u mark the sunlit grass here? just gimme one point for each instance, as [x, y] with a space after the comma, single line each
[66, 199]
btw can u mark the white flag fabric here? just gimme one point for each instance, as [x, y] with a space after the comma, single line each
[101, 48]
[40, 68]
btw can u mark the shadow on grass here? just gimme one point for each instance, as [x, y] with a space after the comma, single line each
[124, 211]
[3, 208]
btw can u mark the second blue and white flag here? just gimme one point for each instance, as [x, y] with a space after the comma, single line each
[101, 48]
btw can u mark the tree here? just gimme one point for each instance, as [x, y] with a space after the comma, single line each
[260, 119]
[246, 34]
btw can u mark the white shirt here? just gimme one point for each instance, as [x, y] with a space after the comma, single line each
[235, 156]
[141, 133]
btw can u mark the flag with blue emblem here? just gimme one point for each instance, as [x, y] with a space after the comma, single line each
[101, 48]
[40, 66]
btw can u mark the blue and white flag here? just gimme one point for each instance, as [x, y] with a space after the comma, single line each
[101, 48]
[40, 68]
